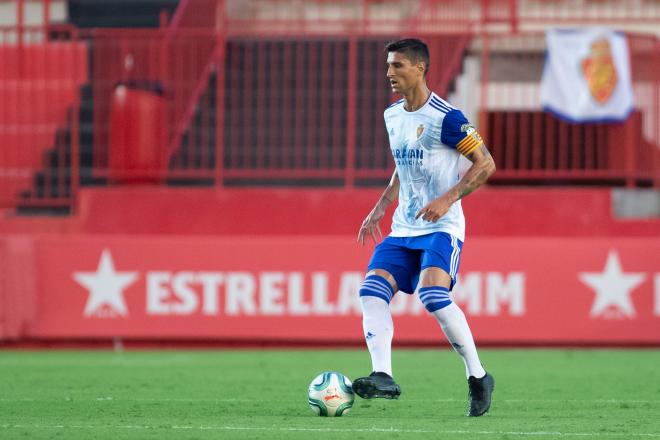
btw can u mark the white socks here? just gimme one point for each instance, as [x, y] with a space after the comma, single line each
[378, 332]
[455, 326]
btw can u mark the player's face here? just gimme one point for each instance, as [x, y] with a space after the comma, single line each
[402, 73]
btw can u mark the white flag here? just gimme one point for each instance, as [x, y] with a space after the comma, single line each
[587, 75]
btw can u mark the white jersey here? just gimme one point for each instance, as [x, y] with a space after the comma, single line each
[426, 145]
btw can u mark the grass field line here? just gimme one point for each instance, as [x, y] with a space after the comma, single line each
[217, 400]
[332, 430]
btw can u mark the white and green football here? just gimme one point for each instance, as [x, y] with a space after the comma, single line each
[330, 394]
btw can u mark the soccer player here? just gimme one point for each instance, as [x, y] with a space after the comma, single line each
[422, 253]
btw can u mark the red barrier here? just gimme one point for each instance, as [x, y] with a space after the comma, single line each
[490, 212]
[305, 289]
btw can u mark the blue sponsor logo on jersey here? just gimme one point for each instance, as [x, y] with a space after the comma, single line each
[408, 156]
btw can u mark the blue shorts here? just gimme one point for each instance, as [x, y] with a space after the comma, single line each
[406, 257]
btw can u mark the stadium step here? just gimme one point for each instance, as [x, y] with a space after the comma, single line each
[51, 186]
[119, 13]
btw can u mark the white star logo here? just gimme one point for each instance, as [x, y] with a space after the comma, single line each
[105, 288]
[612, 287]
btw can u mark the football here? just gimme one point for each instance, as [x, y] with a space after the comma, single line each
[330, 394]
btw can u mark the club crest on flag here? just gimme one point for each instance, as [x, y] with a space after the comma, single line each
[599, 71]
[586, 76]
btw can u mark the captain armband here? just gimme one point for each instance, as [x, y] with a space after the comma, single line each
[470, 142]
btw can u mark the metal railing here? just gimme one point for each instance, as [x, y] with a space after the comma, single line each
[281, 108]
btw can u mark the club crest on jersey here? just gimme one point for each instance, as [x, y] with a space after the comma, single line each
[420, 130]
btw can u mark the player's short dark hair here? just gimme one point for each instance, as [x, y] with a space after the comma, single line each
[413, 49]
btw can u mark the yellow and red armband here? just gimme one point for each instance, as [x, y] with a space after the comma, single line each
[470, 142]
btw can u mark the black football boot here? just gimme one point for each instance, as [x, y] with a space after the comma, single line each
[479, 394]
[376, 385]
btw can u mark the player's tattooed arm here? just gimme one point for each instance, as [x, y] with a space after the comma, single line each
[482, 168]
[370, 225]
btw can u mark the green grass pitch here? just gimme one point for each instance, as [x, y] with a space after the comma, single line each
[248, 394]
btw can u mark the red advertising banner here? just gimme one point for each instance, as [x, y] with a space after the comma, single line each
[305, 288]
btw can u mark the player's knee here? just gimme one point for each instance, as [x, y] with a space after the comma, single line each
[378, 287]
[434, 298]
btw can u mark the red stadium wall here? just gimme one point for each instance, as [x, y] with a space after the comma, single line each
[489, 212]
[540, 266]
[304, 289]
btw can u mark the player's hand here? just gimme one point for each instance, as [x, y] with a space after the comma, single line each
[370, 226]
[435, 209]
